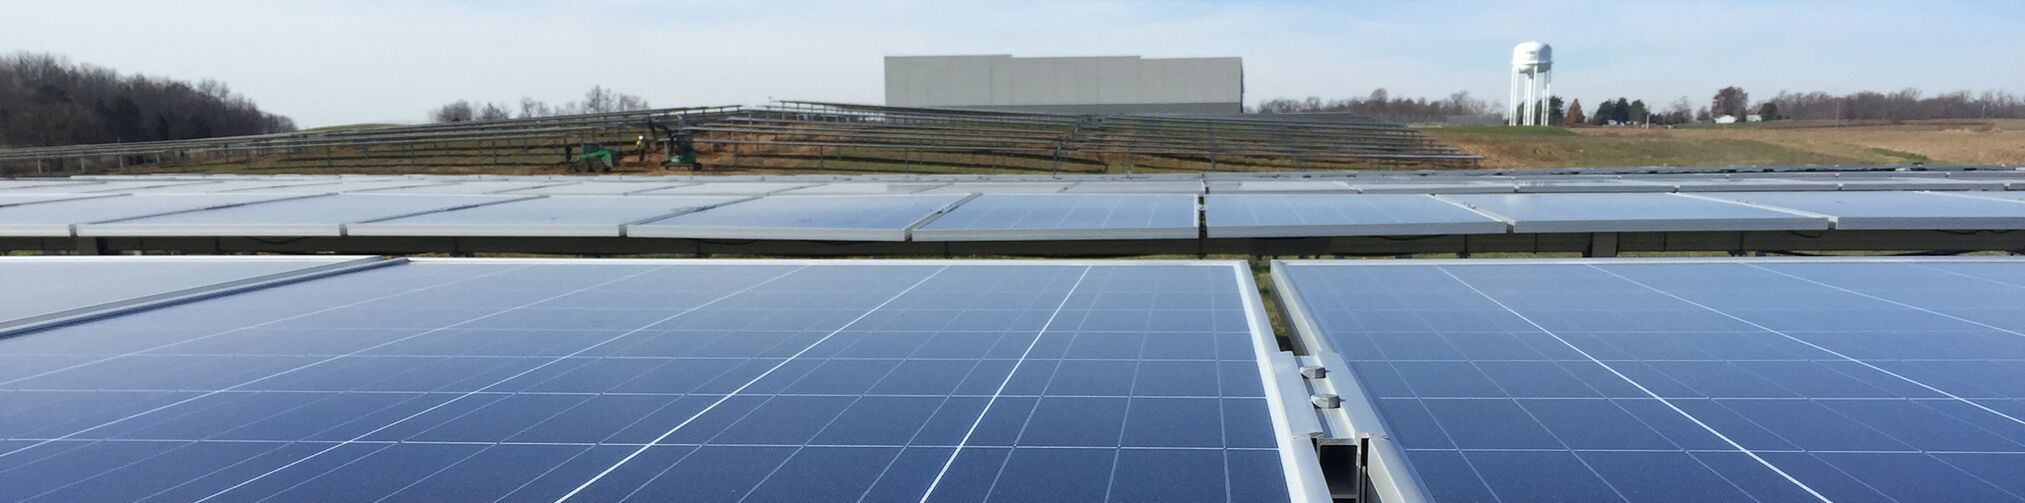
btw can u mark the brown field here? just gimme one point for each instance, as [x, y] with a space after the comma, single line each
[1796, 142]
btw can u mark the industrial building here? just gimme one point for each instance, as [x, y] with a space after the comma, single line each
[1083, 85]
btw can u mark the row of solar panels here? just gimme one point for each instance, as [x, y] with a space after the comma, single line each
[995, 217]
[339, 378]
[1317, 183]
[634, 380]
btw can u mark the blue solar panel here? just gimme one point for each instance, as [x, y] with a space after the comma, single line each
[869, 218]
[661, 381]
[1011, 217]
[1310, 215]
[1687, 381]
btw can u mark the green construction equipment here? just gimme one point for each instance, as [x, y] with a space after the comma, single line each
[595, 159]
[679, 143]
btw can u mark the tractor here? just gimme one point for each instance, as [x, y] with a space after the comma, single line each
[594, 159]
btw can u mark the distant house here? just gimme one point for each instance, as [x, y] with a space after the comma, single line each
[1726, 119]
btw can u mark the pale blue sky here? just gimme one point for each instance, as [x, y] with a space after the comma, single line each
[335, 62]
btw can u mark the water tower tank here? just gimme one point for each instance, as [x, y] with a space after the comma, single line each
[1533, 54]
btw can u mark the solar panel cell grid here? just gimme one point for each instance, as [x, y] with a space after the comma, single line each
[1766, 380]
[658, 381]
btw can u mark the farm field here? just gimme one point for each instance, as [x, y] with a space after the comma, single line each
[1797, 142]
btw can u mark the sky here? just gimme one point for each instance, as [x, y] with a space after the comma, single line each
[344, 62]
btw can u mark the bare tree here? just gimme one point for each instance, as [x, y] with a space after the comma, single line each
[456, 111]
[1731, 101]
[531, 108]
[598, 100]
[1381, 103]
[493, 112]
[1680, 112]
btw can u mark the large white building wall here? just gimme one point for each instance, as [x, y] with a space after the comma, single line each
[1112, 84]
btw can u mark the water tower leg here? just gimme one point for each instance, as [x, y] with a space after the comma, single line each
[1512, 105]
[1547, 87]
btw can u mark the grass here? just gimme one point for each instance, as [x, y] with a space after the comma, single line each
[1907, 156]
[1534, 149]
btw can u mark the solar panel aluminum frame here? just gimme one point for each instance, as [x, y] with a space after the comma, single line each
[1386, 473]
[10, 328]
[120, 228]
[1294, 425]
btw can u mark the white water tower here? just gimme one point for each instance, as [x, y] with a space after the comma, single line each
[1532, 70]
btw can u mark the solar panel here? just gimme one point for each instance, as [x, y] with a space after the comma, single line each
[597, 188]
[1631, 213]
[44, 288]
[1432, 187]
[1894, 210]
[341, 186]
[1589, 185]
[59, 217]
[1918, 183]
[22, 184]
[1013, 217]
[863, 188]
[565, 216]
[613, 380]
[999, 188]
[1138, 187]
[305, 216]
[206, 187]
[1706, 184]
[1303, 215]
[11, 199]
[837, 218]
[1682, 380]
[107, 186]
[1280, 186]
[729, 188]
[472, 187]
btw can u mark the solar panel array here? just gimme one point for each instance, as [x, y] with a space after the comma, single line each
[1000, 209]
[349, 378]
[1681, 380]
[620, 380]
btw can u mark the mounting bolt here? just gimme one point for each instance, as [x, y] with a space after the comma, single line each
[1326, 401]
[1314, 372]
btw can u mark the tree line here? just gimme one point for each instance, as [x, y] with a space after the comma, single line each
[597, 100]
[45, 100]
[1735, 103]
[1380, 103]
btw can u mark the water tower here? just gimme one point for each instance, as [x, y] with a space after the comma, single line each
[1532, 71]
